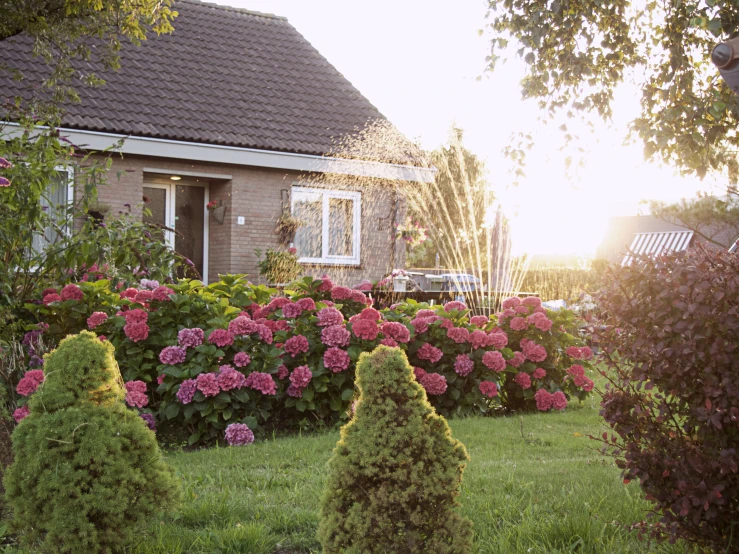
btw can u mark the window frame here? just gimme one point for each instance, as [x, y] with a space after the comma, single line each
[326, 195]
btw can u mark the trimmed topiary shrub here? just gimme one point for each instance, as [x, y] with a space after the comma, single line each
[396, 471]
[673, 402]
[87, 473]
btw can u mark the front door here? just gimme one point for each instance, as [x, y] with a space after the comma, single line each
[179, 209]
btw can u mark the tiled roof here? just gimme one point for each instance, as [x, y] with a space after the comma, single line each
[654, 244]
[225, 76]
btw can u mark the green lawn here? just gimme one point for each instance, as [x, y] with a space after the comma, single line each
[551, 493]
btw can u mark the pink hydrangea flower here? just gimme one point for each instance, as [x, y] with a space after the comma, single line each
[479, 320]
[72, 292]
[505, 314]
[329, 316]
[190, 337]
[389, 342]
[173, 355]
[299, 379]
[532, 351]
[282, 371]
[517, 360]
[51, 297]
[336, 359]
[531, 301]
[371, 314]
[543, 399]
[360, 297]
[521, 310]
[326, 284]
[494, 360]
[429, 352]
[30, 382]
[136, 316]
[97, 318]
[511, 303]
[460, 335]
[434, 383]
[221, 337]
[129, 293]
[446, 324]
[577, 372]
[292, 310]
[489, 389]
[540, 321]
[463, 365]
[449, 306]
[143, 296]
[497, 340]
[341, 293]
[136, 394]
[523, 379]
[586, 353]
[239, 434]
[478, 339]
[559, 400]
[242, 325]
[265, 333]
[277, 303]
[419, 373]
[296, 345]
[242, 359]
[228, 378]
[518, 324]
[539, 372]
[425, 313]
[588, 385]
[396, 331]
[420, 325]
[263, 382]
[136, 332]
[162, 294]
[160, 379]
[335, 335]
[207, 383]
[307, 304]
[365, 329]
[187, 391]
[364, 285]
[21, 413]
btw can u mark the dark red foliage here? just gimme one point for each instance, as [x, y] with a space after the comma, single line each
[673, 403]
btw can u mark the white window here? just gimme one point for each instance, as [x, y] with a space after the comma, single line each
[331, 225]
[55, 201]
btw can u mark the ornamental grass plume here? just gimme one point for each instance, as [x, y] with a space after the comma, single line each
[394, 491]
[88, 475]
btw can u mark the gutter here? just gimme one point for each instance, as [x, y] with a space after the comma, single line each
[214, 153]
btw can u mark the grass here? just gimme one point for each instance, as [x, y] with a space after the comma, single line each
[548, 491]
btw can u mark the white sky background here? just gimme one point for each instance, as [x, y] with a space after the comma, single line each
[419, 61]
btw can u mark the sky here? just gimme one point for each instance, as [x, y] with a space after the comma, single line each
[423, 64]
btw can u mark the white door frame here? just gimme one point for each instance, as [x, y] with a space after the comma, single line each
[170, 220]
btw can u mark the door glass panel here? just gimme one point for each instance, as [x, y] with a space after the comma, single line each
[190, 224]
[156, 204]
[308, 207]
[341, 226]
[54, 202]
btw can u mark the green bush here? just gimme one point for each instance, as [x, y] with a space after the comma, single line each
[87, 473]
[396, 471]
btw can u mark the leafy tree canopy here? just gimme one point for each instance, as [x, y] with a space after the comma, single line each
[714, 219]
[577, 53]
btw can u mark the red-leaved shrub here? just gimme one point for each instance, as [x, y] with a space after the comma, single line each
[673, 402]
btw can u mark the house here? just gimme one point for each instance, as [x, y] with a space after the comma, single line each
[645, 235]
[236, 107]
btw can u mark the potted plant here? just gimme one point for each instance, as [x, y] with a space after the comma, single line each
[411, 232]
[400, 280]
[217, 209]
[287, 226]
[279, 266]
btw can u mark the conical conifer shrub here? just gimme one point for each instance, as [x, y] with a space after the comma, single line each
[396, 471]
[88, 474]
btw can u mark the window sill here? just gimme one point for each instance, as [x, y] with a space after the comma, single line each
[349, 265]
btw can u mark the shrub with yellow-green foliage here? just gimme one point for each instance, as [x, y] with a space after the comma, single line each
[88, 473]
[396, 471]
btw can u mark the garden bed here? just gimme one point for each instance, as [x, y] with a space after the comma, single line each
[549, 493]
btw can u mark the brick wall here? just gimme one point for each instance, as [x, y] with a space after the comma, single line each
[256, 194]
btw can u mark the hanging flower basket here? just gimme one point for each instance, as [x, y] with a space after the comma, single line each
[217, 211]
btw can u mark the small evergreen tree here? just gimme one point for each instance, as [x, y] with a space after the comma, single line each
[396, 471]
[87, 472]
